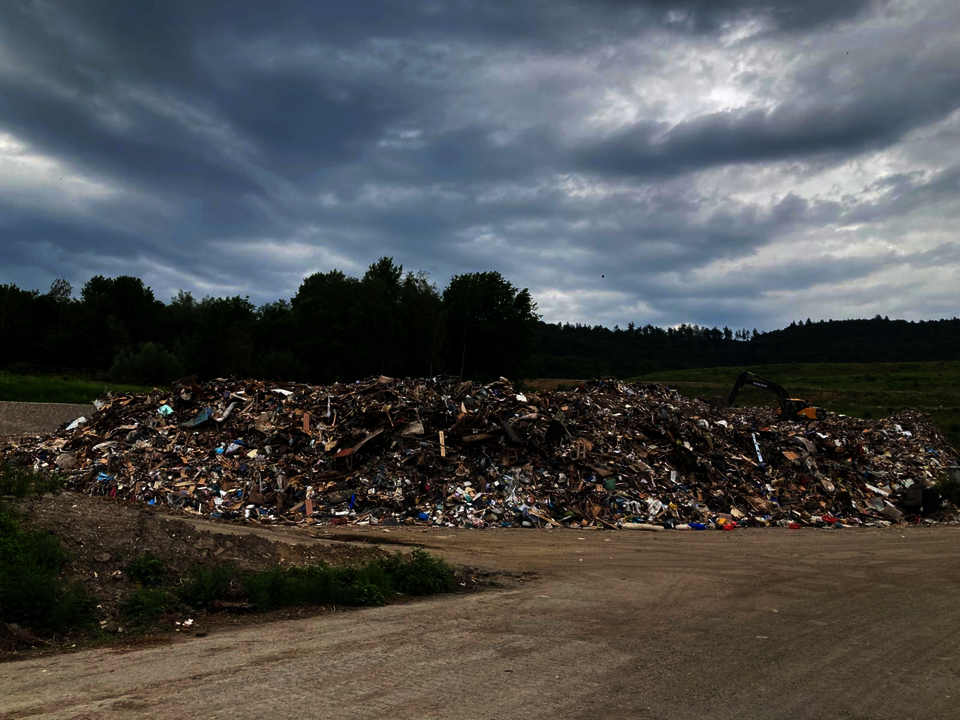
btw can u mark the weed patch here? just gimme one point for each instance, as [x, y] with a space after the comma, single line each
[31, 592]
[144, 605]
[203, 586]
[420, 573]
[146, 569]
[20, 481]
[360, 584]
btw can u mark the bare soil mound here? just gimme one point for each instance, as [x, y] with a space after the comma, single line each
[104, 535]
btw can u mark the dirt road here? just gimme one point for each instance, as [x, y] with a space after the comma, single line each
[754, 624]
[21, 418]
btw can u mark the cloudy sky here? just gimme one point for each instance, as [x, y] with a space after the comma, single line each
[718, 162]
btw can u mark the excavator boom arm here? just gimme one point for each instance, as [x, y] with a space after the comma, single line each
[749, 378]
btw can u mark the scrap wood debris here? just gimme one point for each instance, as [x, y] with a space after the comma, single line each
[444, 451]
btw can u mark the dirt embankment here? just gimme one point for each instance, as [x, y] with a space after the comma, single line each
[22, 418]
[104, 535]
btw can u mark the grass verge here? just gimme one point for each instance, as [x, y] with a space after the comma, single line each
[36, 598]
[58, 389]
[373, 582]
[370, 583]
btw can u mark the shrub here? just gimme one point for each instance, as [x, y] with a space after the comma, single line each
[361, 584]
[145, 604]
[146, 569]
[319, 584]
[205, 585]
[20, 481]
[151, 363]
[31, 592]
[420, 573]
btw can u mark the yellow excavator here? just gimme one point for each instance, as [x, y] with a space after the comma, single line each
[790, 408]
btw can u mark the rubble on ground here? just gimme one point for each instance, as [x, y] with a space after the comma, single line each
[444, 451]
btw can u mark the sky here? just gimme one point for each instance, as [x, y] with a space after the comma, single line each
[713, 162]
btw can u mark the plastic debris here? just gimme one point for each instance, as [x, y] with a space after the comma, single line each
[443, 451]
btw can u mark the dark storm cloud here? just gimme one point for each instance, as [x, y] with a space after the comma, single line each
[708, 15]
[235, 146]
[792, 131]
[155, 155]
[903, 193]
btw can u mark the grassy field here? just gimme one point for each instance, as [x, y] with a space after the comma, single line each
[869, 391]
[56, 389]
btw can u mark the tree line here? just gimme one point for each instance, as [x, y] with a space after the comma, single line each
[336, 327]
[579, 351]
[398, 323]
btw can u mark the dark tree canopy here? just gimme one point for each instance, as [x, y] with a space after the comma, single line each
[491, 323]
[395, 322]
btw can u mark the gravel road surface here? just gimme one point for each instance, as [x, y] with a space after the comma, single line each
[20, 418]
[754, 624]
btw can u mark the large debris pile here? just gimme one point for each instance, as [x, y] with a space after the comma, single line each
[445, 451]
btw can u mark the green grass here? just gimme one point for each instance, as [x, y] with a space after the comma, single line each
[870, 391]
[146, 569]
[144, 605]
[57, 389]
[32, 593]
[372, 582]
[203, 586]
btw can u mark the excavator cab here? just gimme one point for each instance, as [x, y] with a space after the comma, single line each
[801, 410]
[790, 408]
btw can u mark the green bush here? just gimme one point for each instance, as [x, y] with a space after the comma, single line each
[360, 584]
[423, 574]
[320, 584]
[146, 604]
[31, 592]
[151, 363]
[146, 569]
[205, 585]
[20, 481]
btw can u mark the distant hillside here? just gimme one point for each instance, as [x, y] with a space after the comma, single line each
[567, 351]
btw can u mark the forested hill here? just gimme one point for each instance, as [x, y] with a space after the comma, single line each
[395, 322]
[579, 351]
